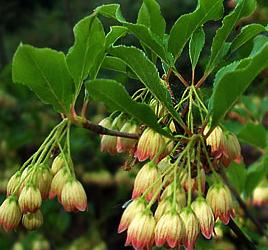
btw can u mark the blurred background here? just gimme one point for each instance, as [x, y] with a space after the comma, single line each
[25, 122]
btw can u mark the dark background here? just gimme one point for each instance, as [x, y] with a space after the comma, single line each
[25, 122]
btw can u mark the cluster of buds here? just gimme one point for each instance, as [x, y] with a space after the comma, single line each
[224, 146]
[28, 188]
[173, 223]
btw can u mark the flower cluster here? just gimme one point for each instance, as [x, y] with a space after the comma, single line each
[27, 189]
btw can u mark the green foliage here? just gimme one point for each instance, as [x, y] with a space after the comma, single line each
[44, 71]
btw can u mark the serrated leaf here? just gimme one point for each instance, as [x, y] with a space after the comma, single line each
[88, 49]
[142, 32]
[150, 16]
[115, 96]
[184, 27]
[247, 33]
[242, 9]
[233, 81]
[116, 64]
[147, 74]
[254, 134]
[116, 32]
[196, 45]
[44, 71]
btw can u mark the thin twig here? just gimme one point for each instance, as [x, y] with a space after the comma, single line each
[242, 237]
[201, 81]
[184, 82]
[242, 204]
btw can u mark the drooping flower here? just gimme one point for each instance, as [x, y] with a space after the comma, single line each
[146, 177]
[30, 199]
[135, 207]
[12, 185]
[73, 197]
[204, 215]
[260, 194]
[57, 164]
[153, 146]
[192, 227]
[170, 230]
[44, 177]
[163, 207]
[220, 200]
[58, 182]
[140, 233]
[10, 214]
[127, 144]
[32, 221]
[214, 140]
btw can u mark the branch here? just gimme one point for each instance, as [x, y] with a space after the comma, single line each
[242, 204]
[242, 237]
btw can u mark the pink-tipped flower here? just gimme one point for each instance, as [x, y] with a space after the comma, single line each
[170, 230]
[12, 185]
[58, 182]
[30, 199]
[260, 195]
[57, 164]
[192, 227]
[164, 206]
[135, 207]
[214, 140]
[144, 180]
[74, 197]
[127, 144]
[151, 144]
[32, 221]
[220, 200]
[10, 214]
[44, 177]
[140, 233]
[205, 216]
[231, 150]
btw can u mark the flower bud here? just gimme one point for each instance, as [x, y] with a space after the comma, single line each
[30, 199]
[170, 230]
[135, 207]
[140, 233]
[214, 140]
[44, 178]
[10, 214]
[74, 197]
[127, 144]
[13, 183]
[158, 108]
[57, 164]
[204, 215]
[58, 182]
[145, 178]
[220, 200]
[231, 150]
[163, 207]
[260, 195]
[32, 221]
[192, 227]
[151, 144]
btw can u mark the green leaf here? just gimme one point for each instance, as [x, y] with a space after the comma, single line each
[150, 16]
[88, 49]
[116, 64]
[143, 33]
[256, 173]
[243, 8]
[235, 170]
[115, 96]
[254, 134]
[232, 81]
[44, 71]
[147, 74]
[116, 32]
[196, 45]
[184, 27]
[247, 33]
